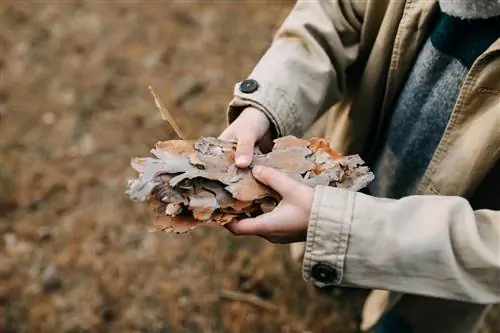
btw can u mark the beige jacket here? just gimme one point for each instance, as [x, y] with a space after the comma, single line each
[443, 243]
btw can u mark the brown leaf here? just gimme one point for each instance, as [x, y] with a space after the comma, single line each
[184, 147]
[240, 205]
[224, 198]
[194, 182]
[222, 218]
[178, 224]
[247, 188]
[244, 211]
[203, 204]
[268, 204]
[317, 144]
[173, 209]
[288, 142]
[293, 159]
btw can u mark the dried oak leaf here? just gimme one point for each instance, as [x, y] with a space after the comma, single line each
[224, 198]
[179, 224]
[192, 182]
[203, 204]
[247, 188]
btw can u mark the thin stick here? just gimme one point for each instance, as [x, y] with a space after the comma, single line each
[165, 114]
[247, 298]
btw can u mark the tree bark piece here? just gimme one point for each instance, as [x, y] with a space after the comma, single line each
[193, 182]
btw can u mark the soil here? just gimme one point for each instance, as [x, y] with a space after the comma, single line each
[75, 255]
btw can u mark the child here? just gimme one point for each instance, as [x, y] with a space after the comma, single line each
[415, 90]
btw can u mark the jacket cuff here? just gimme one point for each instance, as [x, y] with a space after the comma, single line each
[272, 101]
[328, 235]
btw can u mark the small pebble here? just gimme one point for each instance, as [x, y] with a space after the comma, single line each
[44, 233]
[72, 152]
[10, 239]
[48, 118]
[50, 281]
[87, 144]
[14, 246]
[108, 314]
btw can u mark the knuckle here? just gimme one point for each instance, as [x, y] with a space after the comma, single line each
[244, 144]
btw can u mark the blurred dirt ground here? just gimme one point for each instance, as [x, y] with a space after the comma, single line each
[74, 107]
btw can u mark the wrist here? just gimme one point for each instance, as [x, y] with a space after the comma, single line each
[278, 120]
[256, 116]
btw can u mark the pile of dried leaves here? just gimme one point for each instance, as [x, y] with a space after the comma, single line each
[191, 182]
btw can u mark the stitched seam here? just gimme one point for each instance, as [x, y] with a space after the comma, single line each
[311, 232]
[283, 126]
[488, 91]
[285, 122]
[445, 140]
[296, 122]
[433, 190]
[338, 266]
[338, 249]
[345, 231]
[395, 56]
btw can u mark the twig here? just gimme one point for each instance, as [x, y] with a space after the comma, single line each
[165, 114]
[247, 298]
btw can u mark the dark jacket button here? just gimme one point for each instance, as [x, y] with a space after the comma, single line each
[249, 86]
[324, 273]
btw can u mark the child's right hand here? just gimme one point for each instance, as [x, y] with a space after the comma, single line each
[250, 128]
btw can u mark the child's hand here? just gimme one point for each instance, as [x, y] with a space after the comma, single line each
[288, 222]
[251, 127]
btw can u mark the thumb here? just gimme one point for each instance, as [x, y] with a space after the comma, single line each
[246, 227]
[275, 179]
[259, 225]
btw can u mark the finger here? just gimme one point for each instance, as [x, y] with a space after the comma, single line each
[227, 135]
[275, 179]
[244, 149]
[260, 225]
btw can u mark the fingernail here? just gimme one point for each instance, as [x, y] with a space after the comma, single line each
[241, 160]
[256, 170]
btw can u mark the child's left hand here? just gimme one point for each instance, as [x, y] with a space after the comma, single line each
[288, 222]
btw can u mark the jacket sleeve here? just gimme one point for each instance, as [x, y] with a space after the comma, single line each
[434, 246]
[303, 72]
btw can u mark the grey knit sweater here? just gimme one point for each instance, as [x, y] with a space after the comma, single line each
[461, 32]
